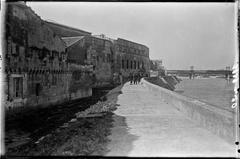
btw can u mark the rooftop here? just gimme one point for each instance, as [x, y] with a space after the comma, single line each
[132, 42]
[61, 25]
[102, 36]
[71, 40]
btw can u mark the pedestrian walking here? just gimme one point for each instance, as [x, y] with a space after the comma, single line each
[139, 77]
[135, 78]
[120, 78]
[131, 77]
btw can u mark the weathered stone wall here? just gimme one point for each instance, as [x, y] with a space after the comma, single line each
[81, 81]
[36, 67]
[90, 50]
[100, 55]
[41, 69]
[218, 121]
[130, 57]
[77, 52]
[107, 56]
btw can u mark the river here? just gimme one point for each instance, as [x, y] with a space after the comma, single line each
[214, 91]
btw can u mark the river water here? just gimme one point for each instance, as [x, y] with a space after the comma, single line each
[214, 91]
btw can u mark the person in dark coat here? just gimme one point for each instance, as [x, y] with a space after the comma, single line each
[131, 77]
[135, 78]
[139, 77]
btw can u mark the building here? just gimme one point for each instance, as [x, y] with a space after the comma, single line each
[156, 64]
[37, 72]
[157, 69]
[48, 63]
[108, 56]
[95, 51]
[130, 57]
[100, 54]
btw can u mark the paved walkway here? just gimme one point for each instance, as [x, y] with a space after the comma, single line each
[146, 126]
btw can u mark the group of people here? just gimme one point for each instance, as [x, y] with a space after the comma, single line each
[135, 78]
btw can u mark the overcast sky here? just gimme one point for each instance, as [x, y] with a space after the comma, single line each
[181, 34]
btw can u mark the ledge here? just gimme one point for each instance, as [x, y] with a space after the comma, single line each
[215, 119]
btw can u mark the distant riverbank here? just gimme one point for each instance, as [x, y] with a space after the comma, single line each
[215, 91]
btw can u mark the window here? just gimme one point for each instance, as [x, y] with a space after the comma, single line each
[131, 65]
[123, 64]
[138, 64]
[134, 64]
[127, 64]
[37, 89]
[18, 87]
[9, 46]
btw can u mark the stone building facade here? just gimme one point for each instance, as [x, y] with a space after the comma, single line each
[108, 56]
[37, 72]
[130, 57]
[95, 51]
[48, 63]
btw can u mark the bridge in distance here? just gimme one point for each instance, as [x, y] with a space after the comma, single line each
[200, 72]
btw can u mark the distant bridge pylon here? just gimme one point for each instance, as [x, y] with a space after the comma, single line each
[191, 73]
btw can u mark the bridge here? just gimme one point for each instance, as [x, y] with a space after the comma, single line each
[200, 72]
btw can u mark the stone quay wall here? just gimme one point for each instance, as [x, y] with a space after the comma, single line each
[217, 120]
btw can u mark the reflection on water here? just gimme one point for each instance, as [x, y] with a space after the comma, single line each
[215, 91]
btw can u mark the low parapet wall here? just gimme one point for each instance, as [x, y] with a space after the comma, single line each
[218, 121]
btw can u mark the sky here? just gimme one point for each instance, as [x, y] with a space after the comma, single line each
[202, 35]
